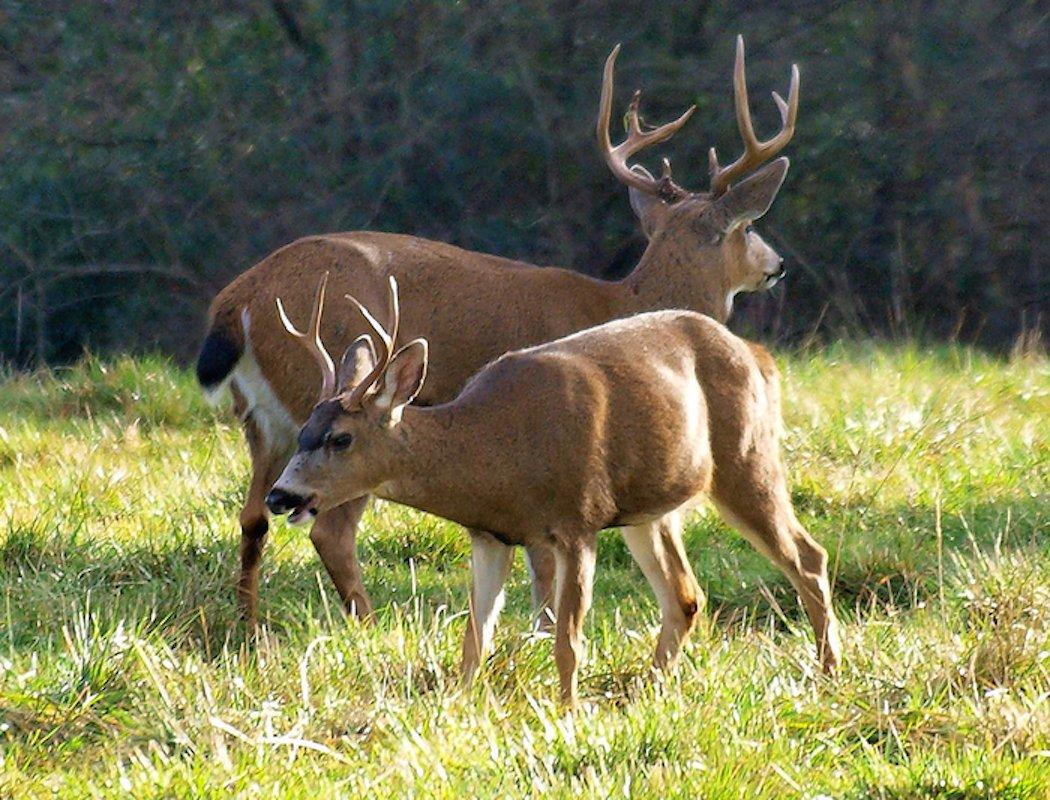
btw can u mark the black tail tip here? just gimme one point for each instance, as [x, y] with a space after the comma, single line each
[219, 355]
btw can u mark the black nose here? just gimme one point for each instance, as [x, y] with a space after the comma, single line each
[281, 502]
[782, 271]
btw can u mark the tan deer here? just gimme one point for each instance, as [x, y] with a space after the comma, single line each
[626, 424]
[701, 253]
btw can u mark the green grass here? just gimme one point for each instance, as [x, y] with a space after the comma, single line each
[124, 670]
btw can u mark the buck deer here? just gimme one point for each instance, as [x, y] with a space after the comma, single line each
[626, 424]
[701, 253]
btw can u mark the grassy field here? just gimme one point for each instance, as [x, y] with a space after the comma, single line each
[124, 670]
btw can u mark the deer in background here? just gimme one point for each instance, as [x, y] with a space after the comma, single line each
[701, 253]
[626, 424]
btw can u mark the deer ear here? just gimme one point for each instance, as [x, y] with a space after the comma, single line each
[402, 380]
[752, 197]
[649, 209]
[357, 361]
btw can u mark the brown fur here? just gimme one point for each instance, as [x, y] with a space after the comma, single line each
[510, 305]
[473, 307]
[624, 424]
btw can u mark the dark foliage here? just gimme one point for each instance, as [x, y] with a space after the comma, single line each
[151, 151]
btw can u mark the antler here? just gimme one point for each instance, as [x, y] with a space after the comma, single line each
[387, 341]
[755, 152]
[637, 140]
[311, 339]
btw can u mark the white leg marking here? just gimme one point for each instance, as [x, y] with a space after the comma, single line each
[644, 543]
[490, 563]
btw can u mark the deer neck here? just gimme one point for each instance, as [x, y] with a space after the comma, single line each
[672, 275]
[431, 467]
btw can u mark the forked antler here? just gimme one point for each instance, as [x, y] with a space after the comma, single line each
[755, 152]
[636, 141]
[387, 340]
[311, 339]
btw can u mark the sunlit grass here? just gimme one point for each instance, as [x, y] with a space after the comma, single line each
[125, 672]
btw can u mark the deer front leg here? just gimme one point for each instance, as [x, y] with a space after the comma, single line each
[575, 582]
[334, 536]
[490, 562]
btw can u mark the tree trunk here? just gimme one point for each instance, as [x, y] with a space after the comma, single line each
[40, 319]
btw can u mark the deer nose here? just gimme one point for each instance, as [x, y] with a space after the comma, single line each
[281, 502]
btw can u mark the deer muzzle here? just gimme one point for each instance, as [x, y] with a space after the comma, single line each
[297, 507]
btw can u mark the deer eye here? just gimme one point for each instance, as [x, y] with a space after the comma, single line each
[340, 441]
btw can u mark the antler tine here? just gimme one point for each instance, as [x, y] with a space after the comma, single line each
[384, 338]
[636, 141]
[311, 339]
[755, 152]
[387, 340]
[394, 306]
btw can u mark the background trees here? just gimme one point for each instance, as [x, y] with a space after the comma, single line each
[153, 150]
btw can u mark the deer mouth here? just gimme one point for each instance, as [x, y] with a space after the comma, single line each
[303, 512]
[774, 278]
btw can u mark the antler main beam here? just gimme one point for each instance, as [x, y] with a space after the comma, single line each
[636, 141]
[755, 151]
[387, 341]
[311, 339]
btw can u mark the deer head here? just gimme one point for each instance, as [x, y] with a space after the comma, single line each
[341, 446]
[711, 226]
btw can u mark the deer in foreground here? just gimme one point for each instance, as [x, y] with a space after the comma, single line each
[626, 424]
[701, 253]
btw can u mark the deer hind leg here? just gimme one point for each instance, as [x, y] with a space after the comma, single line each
[757, 504]
[540, 560]
[574, 561]
[658, 549]
[254, 519]
[254, 529]
[490, 562]
[334, 536]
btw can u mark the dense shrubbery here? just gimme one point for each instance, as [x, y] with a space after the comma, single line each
[153, 150]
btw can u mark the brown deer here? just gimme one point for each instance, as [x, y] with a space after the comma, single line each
[626, 424]
[701, 253]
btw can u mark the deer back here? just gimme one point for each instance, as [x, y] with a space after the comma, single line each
[510, 304]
